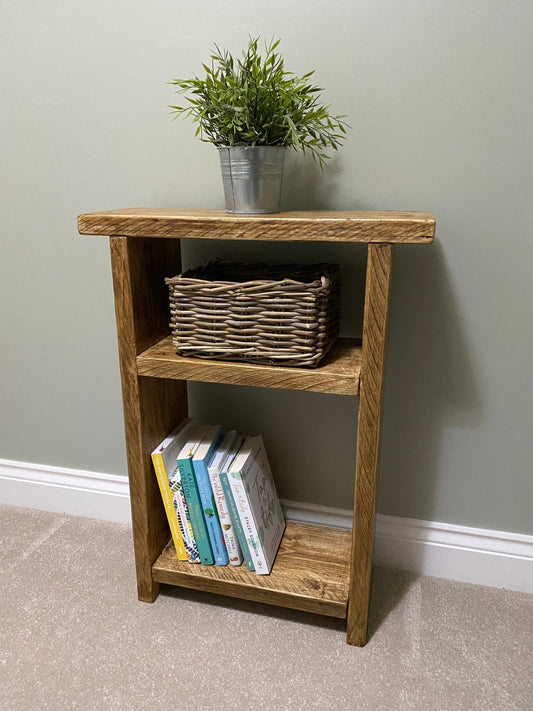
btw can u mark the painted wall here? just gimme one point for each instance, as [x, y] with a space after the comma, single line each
[441, 103]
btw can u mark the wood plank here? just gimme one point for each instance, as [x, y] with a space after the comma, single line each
[310, 573]
[378, 279]
[151, 407]
[339, 373]
[318, 225]
[149, 262]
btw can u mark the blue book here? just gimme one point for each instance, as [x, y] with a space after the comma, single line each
[192, 495]
[228, 529]
[201, 460]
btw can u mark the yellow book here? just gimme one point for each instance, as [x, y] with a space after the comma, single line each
[164, 461]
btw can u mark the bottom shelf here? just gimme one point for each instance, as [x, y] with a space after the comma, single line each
[311, 572]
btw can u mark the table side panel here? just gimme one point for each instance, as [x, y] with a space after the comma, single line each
[378, 281]
[151, 408]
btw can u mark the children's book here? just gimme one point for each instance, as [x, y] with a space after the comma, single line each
[241, 537]
[192, 495]
[228, 530]
[164, 461]
[184, 518]
[201, 458]
[254, 492]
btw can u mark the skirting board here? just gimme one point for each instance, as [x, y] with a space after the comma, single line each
[473, 555]
[70, 491]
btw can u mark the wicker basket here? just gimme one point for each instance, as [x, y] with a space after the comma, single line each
[258, 313]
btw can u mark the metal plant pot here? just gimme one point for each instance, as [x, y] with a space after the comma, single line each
[252, 177]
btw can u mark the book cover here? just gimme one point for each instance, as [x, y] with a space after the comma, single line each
[192, 495]
[228, 529]
[235, 449]
[201, 458]
[254, 491]
[184, 519]
[236, 521]
[164, 461]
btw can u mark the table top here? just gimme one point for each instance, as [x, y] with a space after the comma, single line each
[391, 226]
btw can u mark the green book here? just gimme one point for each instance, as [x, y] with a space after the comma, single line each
[192, 495]
[254, 491]
[236, 521]
[230, 501]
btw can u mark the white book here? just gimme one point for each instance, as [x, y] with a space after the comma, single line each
[254, 491]
[228, 531]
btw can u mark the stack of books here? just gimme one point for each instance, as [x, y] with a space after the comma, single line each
[219, 496]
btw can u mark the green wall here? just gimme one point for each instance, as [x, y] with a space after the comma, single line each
[441, 103]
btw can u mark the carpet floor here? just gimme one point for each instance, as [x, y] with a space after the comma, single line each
[74, 636]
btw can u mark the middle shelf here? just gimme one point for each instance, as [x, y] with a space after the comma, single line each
[338, 374]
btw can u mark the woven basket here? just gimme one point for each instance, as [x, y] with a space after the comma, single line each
[277, 315]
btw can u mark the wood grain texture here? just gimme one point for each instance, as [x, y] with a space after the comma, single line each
[310, 573]
[320, 570]
[377, 291]
[349, 226]
[150, 261]
[338, 374]
[151, 407]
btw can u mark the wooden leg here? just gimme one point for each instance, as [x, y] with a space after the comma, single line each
[378, 278]
[152, 407]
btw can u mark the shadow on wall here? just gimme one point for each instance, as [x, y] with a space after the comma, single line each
[306, 186]
[430, 382]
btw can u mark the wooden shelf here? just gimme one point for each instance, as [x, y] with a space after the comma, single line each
[391, 226]
[311, 572]
[339, 374]
[318, 569]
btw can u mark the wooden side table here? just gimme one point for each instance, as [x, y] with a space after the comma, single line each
[318, 569]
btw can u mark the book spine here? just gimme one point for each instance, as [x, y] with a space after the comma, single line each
[248, 523]
[184, 519]
[228, 529]
[236, 521]
[192, 497]
[166, 495]
[210, 512]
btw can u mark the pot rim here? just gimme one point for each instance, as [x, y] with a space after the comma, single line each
[246, 148]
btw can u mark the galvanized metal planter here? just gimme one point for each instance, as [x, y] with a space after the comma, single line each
[252, 178]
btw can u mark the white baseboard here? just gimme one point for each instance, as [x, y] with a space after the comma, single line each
[70, 491]
[473, 555]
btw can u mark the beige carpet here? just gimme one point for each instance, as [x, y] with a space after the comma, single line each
[74, 636]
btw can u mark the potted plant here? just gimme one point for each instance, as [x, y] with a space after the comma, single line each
[252, 109]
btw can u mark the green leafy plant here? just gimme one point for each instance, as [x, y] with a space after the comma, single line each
[254, 101]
